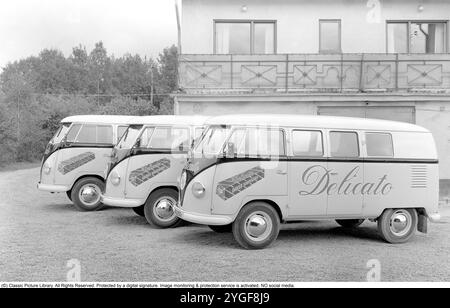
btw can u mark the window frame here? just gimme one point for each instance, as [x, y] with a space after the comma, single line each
[252, 23]
[324, 51]
[358, 143]
[307, 130]
[378, 133]
[82, 125]
[156, 127]
[246, 128]
[414, 21]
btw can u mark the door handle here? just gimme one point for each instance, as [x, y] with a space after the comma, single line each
[281, 172]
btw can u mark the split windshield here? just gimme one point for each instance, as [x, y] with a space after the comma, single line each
[129, 137]
[60, 133]
[213, 141]
[242, 142]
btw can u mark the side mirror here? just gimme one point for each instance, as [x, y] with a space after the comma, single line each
[230, 150]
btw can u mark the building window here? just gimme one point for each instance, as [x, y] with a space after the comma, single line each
[416, 37]
[245, 37]
[330, 36]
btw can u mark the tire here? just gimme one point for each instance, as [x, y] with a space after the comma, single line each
[85, 190]
[222, 229]
[139, 211]
[259, 212]
[401, 232]
[163, 217]
[350, 223]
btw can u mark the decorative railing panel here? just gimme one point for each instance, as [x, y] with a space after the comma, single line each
[323, 73]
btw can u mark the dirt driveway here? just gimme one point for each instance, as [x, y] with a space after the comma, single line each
[40, 233]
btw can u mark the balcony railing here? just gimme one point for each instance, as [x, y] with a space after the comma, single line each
[315, 73]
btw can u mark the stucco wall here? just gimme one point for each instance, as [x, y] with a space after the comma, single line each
[298, 21]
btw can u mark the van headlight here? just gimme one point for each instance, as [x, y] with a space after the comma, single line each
[198, 190]
[115, 178]
[183, 180]
[47, 168]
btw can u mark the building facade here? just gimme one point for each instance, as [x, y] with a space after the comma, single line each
[387, 59]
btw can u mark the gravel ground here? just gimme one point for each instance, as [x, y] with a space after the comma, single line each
[40, 232]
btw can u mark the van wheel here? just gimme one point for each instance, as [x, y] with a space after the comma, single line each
[350, 223]
[257, 226]
[139, 211]
[222, 229]
[159, 209]
[397, 226]
[86, 194]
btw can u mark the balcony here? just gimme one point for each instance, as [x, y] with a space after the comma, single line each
[293, 73]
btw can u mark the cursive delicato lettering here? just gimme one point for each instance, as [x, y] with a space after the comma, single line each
[318, 179]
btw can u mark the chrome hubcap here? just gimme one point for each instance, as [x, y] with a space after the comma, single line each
[401, 222]
[258, 226]
[163, 208]
[90, 194]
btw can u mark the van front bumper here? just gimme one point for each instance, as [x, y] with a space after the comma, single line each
[202, 219]
[121, 202]
[53, 188]
[434, 217]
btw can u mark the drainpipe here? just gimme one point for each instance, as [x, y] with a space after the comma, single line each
[177, 9]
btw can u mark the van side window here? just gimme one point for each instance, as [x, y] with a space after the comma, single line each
[73, 132]
[344, 144]
[95, 134]
[379, 145]
[258, 142]
[170, 138]
[307, 143]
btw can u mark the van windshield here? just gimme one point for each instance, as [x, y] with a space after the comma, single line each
[129, 137]
[212, 141]
[60, 133]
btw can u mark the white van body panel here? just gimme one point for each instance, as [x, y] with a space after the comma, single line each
[144, 173]
[336, 188]
[70, 164]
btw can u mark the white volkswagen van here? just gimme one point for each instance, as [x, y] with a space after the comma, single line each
[147, 165]
[76, 158]
[250, 173]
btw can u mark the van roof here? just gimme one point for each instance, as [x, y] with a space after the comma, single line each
[170, 120]
[144, 120]
[99, 119]
[316, 122]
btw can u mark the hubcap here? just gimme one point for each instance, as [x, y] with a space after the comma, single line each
[163, 208]
[90, 194]
[258, 226]
[400, 223]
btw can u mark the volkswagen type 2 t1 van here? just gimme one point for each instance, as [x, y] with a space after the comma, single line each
[250, 173]
[147, 165]
[76, 158]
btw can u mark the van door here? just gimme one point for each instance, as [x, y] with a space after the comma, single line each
[257, 171]
[88, 153]
[157, 161]
[345, 175]
[307, 169]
